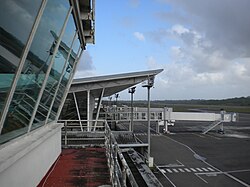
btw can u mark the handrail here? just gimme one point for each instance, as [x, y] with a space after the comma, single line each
[119, 169]
[120, 173]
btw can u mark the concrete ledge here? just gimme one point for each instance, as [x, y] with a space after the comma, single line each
[25, 160]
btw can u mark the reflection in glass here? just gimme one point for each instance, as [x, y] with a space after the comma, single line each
[67, 72]
[35, 68]
[66, 75]
[13, 15]
[56, 75]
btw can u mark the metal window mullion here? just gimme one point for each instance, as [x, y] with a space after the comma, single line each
[49, 68]
[21, 64]
[69, 83]
[77, 110]
[61, 77]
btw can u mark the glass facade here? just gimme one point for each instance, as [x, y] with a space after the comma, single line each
[20, 14]
[44, 67]
[66, 75]
[59, 76]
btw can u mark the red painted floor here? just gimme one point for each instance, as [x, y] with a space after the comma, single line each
[78, 167]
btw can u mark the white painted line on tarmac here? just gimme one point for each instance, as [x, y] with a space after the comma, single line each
[201, 178]
[181, 170]
[198, 169]
[186, 169]
[169, 171]
[210, 169]
[175, 170]
[238, 180]
[192, 169]
[227, 174]
[181, 164]
[210, 173]
[204, 169]
[238, 171]
[166, 177]
[162, 170]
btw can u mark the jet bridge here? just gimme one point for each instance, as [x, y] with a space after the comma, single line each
[216, 118]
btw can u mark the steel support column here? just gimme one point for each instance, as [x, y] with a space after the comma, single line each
[77, 110]
[99, 107]
[148, 123]
[88, 110]
[131, 125]
[148, 86]
[165, 119]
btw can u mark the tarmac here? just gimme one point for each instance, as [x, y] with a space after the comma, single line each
[186, 157]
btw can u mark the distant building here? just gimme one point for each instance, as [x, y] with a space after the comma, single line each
[41, 43]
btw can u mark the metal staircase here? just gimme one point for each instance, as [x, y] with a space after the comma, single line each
[211, 126]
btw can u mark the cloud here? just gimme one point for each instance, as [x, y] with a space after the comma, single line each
[127, 22]
[139, 36]
[224, 23]
[210, 52]
[183, 81]
[197, 69]
[208, 43]
[134, 3]
[171, 17]
[84, 73]
[179, 29]
[86, 62]
[85, 67]
[23, 12]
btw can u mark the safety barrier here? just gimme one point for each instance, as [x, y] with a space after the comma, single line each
[120, 173]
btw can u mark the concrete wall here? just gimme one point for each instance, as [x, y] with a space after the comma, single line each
[26, 160]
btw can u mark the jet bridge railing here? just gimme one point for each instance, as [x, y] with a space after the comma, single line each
[167, 117]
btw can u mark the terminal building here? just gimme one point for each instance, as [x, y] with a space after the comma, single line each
[41, 44]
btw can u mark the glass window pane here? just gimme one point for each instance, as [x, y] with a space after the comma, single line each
[13, 14]
[57, 73]
[65, 79]
[35, 68]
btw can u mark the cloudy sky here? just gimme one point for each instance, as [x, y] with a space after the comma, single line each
[203, 46]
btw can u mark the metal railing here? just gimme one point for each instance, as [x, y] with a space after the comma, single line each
[82, 132]
[120, 173]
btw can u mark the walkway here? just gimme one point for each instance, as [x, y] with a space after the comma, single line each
[78, 167]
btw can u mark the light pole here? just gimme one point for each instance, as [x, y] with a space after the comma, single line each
[131, 91]
[149, 85]
[116, 109]
[109, 107]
